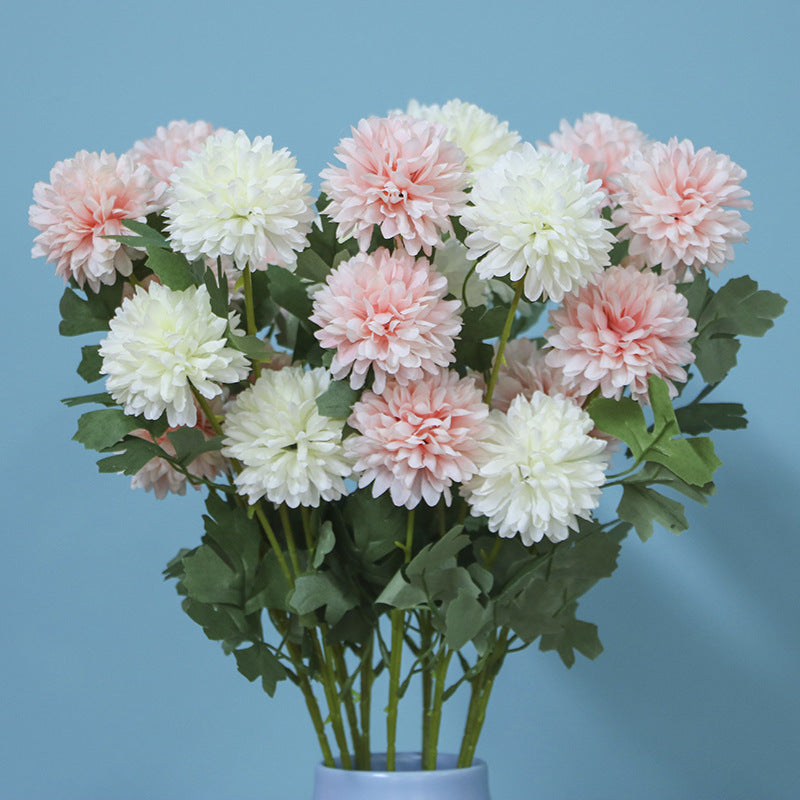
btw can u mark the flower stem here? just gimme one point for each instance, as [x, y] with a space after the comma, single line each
[248, 301]
[365, 704]
[328, 680]
[346, 694]
[395, 660]
[425, 643]
[273, 541]
[206, 409]
[289, 535]
[498, 359]
[429, 753]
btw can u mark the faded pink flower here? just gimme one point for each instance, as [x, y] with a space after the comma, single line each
[601, 141]
[160, 477]
[524, 371]
[170, 147]
[679, 208]
[619, 330]
[386, 311]
[89, 197]
[401, 174]
[417, 440]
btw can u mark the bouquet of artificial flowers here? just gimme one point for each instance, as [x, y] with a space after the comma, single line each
[403, 398]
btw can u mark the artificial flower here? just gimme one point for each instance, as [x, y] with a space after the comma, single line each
[162, 343]
[539, 469]
[534, 218]
[400, 174]
[290, 453]
[416, 441]
[88, 199]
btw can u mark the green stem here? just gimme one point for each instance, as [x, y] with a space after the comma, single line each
[346, 694]
[273, 541]
[206, 409]
[395, 660]
[365, 704]
[443, 663]
[425, 643]
[308, 529]
[498, 359]
[328, 681]
[248, 302]
[289, 536]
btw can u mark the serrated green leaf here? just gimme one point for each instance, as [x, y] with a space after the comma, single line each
[236, 536]
[575, 635]
[209, 578]
[337, 400]
[258, 661]
[326, 541]
[270, 587]
[321, 589]
[651, 473]
[740, 309]
[136, 453]
[219, 622]
[91, 362]
[79, 316]
[704, 417]
[145, 235]
[255, 349]
[173, 269]
[376, 524]
[103, 398]
[217, 286]
[465, 616]
[99, 430]
[642, 506]
[311, 266]
[190, 443]
[715, 356]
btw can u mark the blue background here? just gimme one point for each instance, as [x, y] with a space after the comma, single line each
[109, 691]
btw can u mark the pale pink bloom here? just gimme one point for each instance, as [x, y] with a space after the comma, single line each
[170, 147]
[160, 477]
[89, 197]
[601, 141]
[386, 311]
[400, 174]
[524, 371]
[416, 441]
[679, 208]
[619, 330]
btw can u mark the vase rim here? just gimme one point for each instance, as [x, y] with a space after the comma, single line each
[409, 762]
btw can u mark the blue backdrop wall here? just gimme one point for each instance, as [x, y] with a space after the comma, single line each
[109, 691]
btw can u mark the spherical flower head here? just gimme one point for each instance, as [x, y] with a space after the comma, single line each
[479, 134]
[89, 197]
[170, 147]
[290, 452]
[161, 343]
[619, 330]
[603, 143]
[400, 174]
[525, 371]
[534, 216]
[240, 199]
[386, 311]
[539, 469]
[416, 441]
[679, 208]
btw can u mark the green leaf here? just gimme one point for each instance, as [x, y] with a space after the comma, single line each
[321, 589]
[270, 587]
[91, 362]
[376, 524]
[98, 430]
[217, 286]
[173, 269]
[252, 347]
[325, 543]
[642, 506]
[692, 460]
[219, 622]
[337, 400]
[715, 356]
[311, 266]
[236, 536]
[651, 473]
[209, 578]
[135, 454]
[574, 635]
[189, 443]
[288, 292]
[103, 398]
[79, 316]
[704, 417]
[465, 616]
[258, 661]
[145, 235]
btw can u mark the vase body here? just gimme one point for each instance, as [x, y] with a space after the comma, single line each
[408, 782]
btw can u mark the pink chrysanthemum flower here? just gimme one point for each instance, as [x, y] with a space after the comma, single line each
[170, 147]
[524, 371]
[679, 208]
[89, 197]
[601, 141]
[401, 174]
[618, 331]
[417, 440]
[160, 477]
[386, 311]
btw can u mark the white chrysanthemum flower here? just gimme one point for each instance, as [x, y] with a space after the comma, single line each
[534, 215]
[241, 199]
[540, 469]
[161, 343]
[290, 452]
[479, 134]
